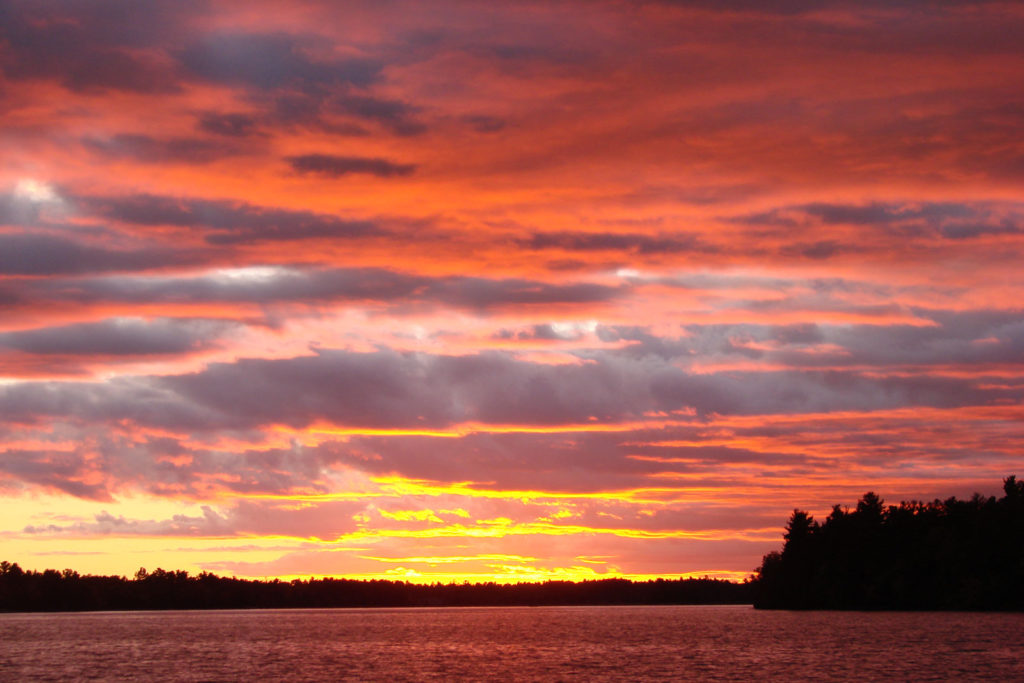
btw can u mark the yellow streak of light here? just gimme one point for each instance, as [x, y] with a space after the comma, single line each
[400, 486]
[411, 515]
[392, 487]
[502, 528]
[451, 559]
[459, 431]
[388, 432]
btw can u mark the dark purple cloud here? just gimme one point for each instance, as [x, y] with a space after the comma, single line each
[91, 46]
[618, 242]
[118, 337]
[269, 285]
[227, 222]
[104, 460]
[481, 294]
[270, 61]
[482, 123]
[961, 338]
[232, 125]
[950, 220]
[50, 254]
[294, 80]
[406, 390]
[804, 6]
[154, 48]
[152, 150]
[56, 470]
[394, 115]
[330, 166]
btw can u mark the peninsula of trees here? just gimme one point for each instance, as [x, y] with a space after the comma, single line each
[52, 591]
[944, 555]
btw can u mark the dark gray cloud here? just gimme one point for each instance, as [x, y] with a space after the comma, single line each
[48, 254]
[150, 150]
[481, 293]
[338, 113]
[104, 461]
[618, 242]
[949, 220]
[297, 80]
[874, 213]
[269, 61]
[87, 46]
[393, 390]
[803, 6]
[387, 389]
[956, 338]
[975, 338]
[899, 27]
[330, 166]
[227, 222]
[153, 47]
[251, 285]
[268, 285]
[395, 115]
[232, 125]
[482, 123]
[118, 337]
[820, 250]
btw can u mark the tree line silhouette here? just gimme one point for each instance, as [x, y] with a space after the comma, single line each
[52, 591]
[947, 554]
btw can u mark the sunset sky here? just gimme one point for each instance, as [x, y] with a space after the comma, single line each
[499, 291]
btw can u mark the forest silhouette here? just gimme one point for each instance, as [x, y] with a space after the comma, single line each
[52, 591]
[943, 555]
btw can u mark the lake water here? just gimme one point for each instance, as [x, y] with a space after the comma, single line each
[517, 643]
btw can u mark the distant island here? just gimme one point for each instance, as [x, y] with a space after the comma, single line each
[944, 555]
[58, 591]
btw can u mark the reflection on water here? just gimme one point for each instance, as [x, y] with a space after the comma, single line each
[519, 643]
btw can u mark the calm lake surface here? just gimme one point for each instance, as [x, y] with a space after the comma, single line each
[515, 643]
